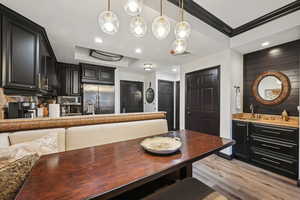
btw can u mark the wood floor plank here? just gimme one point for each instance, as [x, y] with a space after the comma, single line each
[241, 181]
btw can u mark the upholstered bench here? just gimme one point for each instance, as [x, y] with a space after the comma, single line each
[187, 189]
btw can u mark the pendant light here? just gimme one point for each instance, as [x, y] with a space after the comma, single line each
[133, 7]
[138, 26]
[179, 46]
[108, 21]
[182, 28]
[161, 25]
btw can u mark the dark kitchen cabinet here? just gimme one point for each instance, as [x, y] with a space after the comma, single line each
[20, 59]
[97, 74]
[275, 148]
[27, 58]
[240, 135]
[69, 79]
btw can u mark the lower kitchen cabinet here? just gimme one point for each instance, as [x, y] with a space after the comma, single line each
[241, 148]
[271, 147]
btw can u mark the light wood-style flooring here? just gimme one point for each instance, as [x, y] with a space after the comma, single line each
[239, 180]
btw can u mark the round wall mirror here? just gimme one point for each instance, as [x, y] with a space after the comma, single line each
[271, 88]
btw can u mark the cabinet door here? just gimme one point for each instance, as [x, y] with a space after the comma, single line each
[75, 81]
[90, 73]
[241, 136]
[107, 76]
[21, 56]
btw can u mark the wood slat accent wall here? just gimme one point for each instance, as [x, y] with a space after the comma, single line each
[284, 58]
[65, 122]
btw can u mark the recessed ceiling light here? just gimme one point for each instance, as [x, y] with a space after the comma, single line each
[174, 70]
[98, 40]
[265, 44]
[138, 50]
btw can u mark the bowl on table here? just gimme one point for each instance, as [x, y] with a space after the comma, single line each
[162, 145]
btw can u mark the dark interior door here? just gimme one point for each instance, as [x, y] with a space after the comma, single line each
[166, 100]
[177, 126]
[131, 96]
[203, 101]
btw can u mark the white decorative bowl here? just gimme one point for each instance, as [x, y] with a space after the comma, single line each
[162, 145]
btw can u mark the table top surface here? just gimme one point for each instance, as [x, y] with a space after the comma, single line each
[107, 170]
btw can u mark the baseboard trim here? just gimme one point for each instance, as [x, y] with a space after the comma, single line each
[225, 156]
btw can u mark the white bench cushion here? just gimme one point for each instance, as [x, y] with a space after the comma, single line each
[94, 135]
[4, 142]
[28, 136]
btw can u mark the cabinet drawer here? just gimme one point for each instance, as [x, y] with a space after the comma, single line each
[276, 146]
[274, 163]
[275, 132]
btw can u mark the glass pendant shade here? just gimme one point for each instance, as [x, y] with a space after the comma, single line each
[179, 46]
[138, 26]
[182, 30]
[109, 22]
[161, 27]
[134, 7]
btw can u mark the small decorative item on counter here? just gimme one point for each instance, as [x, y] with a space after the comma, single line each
[285, 116]
[54, 110]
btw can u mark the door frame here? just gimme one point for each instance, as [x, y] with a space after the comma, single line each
[218, 67]
[177, 105]
[128, 81]
[173, 94]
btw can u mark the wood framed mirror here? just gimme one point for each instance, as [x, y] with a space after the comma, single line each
[271, 88]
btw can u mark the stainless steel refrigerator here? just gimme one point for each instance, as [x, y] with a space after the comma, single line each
[98, 99]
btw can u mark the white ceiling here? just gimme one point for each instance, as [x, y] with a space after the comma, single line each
[71, 24]
[238, 12]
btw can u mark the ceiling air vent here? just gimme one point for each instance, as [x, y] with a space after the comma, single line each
[105, 56]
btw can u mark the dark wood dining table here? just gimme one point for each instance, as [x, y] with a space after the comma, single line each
[109, 170]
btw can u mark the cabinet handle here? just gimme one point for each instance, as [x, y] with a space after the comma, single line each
[272, 161]
[265, 145]
[239, 124]
[272, 132]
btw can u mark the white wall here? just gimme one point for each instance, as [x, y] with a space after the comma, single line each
[231, 64]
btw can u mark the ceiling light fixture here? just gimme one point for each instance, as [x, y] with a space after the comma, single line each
[174, 70]
[108, 21]
[148, 67]
[179, 46]
[138, 50]
[161, 25]
[138, 26]
[182, 28]
[134, 7]
[98, 40]
[265, 44]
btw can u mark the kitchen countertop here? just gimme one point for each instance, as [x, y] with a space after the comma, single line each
[267, 119]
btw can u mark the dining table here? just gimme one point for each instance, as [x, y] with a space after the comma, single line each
[109, 170]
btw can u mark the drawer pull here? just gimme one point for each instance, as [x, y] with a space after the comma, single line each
[272, 161]
[265, 145]
[272, 132]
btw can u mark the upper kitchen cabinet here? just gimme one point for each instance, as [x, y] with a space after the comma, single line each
[97, 74]
[26, 55]
[69, 79]
[20, 55]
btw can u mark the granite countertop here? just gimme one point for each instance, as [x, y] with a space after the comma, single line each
[267, 119]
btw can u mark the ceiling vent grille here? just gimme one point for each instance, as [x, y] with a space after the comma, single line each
[105, 56]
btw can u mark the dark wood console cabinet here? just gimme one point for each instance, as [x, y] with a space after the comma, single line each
[271, 147]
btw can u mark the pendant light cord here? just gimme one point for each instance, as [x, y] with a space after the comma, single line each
[108, 3]
[182, 9]
[161, 7]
